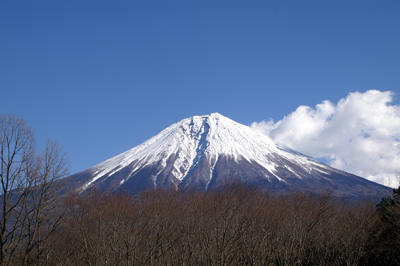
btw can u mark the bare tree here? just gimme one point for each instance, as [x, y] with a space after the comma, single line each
[29, 212]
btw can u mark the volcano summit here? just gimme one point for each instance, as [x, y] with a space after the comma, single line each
[203, 152]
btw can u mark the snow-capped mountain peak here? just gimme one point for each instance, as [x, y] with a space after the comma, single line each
[205, 151]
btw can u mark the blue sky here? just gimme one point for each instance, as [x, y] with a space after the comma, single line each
[100, 77]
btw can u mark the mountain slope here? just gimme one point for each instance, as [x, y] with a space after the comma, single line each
[204, 152]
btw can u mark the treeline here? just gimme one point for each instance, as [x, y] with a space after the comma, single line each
[230, 226]
[233, 225]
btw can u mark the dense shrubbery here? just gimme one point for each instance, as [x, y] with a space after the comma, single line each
[232, 226]
[388, 248]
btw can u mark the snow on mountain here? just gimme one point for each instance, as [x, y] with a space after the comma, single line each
[206, 151]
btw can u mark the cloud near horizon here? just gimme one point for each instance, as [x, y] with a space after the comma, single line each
[360, 134]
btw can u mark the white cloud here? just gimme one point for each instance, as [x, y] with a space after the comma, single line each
[360, 134]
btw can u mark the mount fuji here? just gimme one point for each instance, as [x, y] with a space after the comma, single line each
[204, 152]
